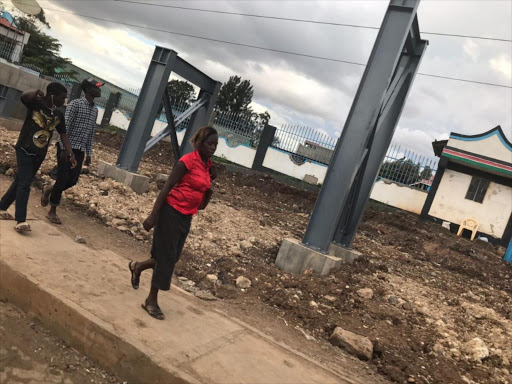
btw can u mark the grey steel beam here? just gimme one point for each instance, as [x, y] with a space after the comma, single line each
[200, 118]
[386, 125]
[179, 119]
[194, 75]
[172, 131]
[146, 108]
[352, 146]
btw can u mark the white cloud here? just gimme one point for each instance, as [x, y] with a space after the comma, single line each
[472, 49]
[304, 91]
[502, 65]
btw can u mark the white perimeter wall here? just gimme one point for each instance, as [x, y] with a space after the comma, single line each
[280, 161]
[399, 196]
[240, 154]
[393, 194]
[120, 120]
[451, 205]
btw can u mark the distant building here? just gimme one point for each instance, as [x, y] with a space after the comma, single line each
[474, 180]
[423, 184]
[12, 39]
[315, 151]
[128, 99]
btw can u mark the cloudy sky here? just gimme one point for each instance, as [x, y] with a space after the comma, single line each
[299, 90]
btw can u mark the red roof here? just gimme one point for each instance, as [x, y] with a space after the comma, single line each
[6, 24]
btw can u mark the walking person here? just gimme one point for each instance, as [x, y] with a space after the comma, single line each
[42, 119]
[186, 191]
[81, 115]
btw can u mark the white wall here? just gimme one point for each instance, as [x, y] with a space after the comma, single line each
[399, 196]
[280, 161]
[240, 154]
[120, 120]
[451, 205]
[101, 112]
[491, 147]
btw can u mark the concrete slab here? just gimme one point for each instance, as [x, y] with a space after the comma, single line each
[294, 257]
[85, 296]
[346, 255]
[139, 183]
[310, 179]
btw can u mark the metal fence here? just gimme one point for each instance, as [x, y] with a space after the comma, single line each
[408, 168]
[238, 129]
[305, 143]
[177, 109]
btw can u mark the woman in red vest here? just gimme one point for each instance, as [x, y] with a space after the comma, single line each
[186, 191]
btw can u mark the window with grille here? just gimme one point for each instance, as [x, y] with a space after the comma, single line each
[477, 189]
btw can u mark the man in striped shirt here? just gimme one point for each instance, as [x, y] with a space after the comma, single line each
[81, 115]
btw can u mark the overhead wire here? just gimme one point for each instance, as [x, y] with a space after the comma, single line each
[264, 48]
[320, 22]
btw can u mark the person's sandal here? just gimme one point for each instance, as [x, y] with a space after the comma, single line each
[4, 215]
[54, 219]
[135, 278]
[153, 310]
[22, 227]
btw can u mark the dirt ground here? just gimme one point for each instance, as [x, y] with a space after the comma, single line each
[433, 294]
[29, 353]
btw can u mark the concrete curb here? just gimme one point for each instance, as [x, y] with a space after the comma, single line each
[85, 297]
[91, 335]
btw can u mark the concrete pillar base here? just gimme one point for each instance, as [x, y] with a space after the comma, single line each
[294, 257]
[346, 255]
[138, 183]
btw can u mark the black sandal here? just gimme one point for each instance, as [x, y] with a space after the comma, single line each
[135, 278]
[153, 310]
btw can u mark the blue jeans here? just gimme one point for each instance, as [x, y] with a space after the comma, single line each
[19, 191]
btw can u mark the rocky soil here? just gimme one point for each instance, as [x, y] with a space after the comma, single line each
[430, 307]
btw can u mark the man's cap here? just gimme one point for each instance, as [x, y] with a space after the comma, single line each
[94, 83]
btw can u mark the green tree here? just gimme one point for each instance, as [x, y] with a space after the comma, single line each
[235, 96]
[42, 50]
[180, 91]
[426, 173]
[261, 119]
[402, 171]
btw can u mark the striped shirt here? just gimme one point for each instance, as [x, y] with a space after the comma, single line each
[81, 123]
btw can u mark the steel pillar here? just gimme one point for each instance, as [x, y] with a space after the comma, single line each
[153, 92]
[200, 118]
[146, 109]
[175, 122]
[172, 127]
[353, 149]
[386, 125]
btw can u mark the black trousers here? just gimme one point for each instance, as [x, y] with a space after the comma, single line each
[169, 237]
[66, 176]
[28, 165]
